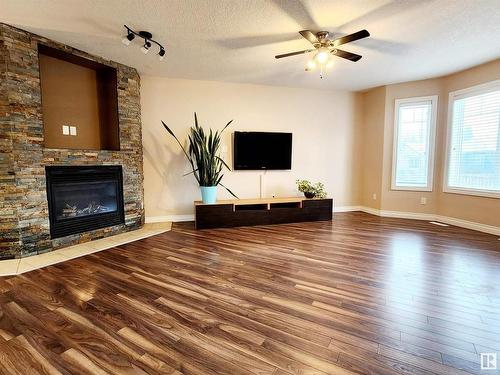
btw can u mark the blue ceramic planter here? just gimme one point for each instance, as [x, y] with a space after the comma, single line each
[208, 194]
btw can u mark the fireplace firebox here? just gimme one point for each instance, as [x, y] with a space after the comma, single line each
[84, 198]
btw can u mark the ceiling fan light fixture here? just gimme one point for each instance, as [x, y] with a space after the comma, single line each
[325, 48]
[322, 56]
[311, 65]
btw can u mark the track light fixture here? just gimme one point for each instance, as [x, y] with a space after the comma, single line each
[148, 40]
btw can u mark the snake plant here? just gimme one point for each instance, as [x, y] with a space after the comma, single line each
[203, 154]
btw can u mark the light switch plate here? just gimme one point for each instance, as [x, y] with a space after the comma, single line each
[72, 130]
[65, 129]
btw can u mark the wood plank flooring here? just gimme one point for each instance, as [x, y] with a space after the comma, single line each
[361, 294]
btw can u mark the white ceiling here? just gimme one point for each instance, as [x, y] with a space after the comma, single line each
[236, 40]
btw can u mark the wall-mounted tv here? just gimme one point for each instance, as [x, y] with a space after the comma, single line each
[262, 150]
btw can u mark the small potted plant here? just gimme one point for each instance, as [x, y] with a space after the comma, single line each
[311, 191]
[203, 156]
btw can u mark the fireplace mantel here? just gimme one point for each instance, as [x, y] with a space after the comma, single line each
[24, 214]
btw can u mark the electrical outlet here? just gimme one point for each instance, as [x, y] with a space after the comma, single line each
[65, 130]
[72, 130]
[374, 196]
[423, 200]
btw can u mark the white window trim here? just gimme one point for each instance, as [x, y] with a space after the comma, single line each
[454, 95]
[432, 138]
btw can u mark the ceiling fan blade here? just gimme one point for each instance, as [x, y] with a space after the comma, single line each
[346, 55]
[293, 53]
[309, 35]
[350, 38]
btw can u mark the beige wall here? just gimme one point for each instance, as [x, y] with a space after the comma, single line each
[372, 141]
[465, 207]
[342, 139]
[324, 126]
[398, 200]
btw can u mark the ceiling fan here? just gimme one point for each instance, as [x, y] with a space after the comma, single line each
[326, 47]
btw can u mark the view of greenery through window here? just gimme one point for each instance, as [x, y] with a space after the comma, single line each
[413, 144]
[475, 143]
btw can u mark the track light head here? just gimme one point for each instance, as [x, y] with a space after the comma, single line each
[128, 38]
[161, 54]
[145, 47]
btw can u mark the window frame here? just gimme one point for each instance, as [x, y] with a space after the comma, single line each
[432, 142]
[452, 96]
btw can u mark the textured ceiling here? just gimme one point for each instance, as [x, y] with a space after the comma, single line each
[236, 40]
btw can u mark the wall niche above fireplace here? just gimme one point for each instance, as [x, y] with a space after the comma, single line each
[79, 102]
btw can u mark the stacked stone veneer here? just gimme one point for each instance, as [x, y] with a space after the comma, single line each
[24, 220]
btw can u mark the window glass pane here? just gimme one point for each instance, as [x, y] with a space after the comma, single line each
[474, 160]
[413, 144]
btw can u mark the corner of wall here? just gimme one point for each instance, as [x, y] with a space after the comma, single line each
[372, 144]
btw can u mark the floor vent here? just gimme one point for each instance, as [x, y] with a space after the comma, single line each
[438, 223]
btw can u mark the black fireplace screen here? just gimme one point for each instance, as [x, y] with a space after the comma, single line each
[84, 198]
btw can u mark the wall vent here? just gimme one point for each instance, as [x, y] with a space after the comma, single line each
[438, 223]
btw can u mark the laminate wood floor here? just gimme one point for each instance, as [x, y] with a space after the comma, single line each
[361, 294]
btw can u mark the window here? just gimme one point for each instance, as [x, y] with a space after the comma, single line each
[473, 160]
[413, 154]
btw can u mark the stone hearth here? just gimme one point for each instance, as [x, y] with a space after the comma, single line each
[24, 216]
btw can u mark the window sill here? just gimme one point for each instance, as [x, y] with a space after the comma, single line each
[476, 193]
[411, 188]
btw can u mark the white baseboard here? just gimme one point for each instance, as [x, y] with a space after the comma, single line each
[347, 208]
[469, 224]
[423, 216]
[384, 213]
[168, 218]
[370, 210]
[408, 215]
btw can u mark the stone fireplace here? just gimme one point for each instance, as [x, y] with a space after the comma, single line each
[38, 211]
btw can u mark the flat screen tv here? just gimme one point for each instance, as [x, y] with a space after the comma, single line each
[262, 150]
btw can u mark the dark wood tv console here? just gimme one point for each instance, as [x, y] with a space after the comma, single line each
[242, 212]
